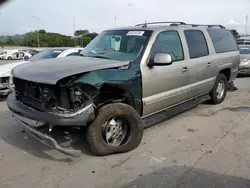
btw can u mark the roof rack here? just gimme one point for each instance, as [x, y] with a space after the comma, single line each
[152, 23]
[197, 25]
[176, 23]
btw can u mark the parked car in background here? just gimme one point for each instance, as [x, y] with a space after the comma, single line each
[244, 67]
[20, 54]
[5, 70]
[29, 53]
[124, 77]
[7, 54]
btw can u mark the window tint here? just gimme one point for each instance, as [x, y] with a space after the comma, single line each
[197, 44]
[168, 42]
[223, 40]
[73, 54]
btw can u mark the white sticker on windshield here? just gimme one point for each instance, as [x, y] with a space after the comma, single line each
[135, 33]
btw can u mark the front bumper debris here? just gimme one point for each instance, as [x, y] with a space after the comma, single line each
[32, 120]
[44, 138]
[79, 118]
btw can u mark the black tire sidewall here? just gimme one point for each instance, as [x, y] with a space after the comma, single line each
[215, 99]
[94, 134]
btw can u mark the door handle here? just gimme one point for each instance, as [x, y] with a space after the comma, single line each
[208, 64]
[184, 69]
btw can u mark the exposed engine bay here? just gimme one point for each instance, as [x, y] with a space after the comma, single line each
[64, 98]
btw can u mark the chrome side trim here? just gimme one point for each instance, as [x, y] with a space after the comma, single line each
[174, 92]
[173, 105]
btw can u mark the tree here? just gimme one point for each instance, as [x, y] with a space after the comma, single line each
[86, 41]
[46, 39]
[235, 33]
[9, 40]
[81, 32]
[42, 31]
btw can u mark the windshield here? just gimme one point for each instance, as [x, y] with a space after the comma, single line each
[47, 54]
[120, 45]
[244, 49]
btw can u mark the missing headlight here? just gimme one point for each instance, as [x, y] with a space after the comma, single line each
[81, 95]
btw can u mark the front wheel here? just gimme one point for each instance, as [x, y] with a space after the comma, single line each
[117, 129]
[9, 58]
[219, 90]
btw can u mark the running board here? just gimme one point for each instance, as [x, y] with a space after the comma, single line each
[169, 113]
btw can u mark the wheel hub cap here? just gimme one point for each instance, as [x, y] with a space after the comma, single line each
[220, 89]
[114, 131]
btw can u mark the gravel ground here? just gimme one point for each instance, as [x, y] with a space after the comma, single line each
[202, 148]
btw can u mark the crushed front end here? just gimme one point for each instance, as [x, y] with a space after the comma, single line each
[37, 106]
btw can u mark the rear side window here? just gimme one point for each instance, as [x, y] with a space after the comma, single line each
[197, 44]
[223, 40]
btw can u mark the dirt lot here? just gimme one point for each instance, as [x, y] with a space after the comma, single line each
[202, 148]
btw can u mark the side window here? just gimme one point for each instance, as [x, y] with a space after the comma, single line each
[197, 44]
[168, 42]
[73, 54]
[223, 40]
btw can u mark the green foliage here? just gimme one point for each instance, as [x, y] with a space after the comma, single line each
[46, 39]
[81, 32]
[235, 33]
[86, 41]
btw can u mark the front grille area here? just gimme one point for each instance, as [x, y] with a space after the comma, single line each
[36, 95]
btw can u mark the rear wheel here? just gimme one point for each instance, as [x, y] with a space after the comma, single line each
[26, 58]
[117, 128]
[219, 90]
[9, 58]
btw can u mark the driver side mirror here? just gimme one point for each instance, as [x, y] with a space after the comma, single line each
[162, 59]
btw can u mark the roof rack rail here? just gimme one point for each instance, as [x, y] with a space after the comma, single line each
[152, 23]
[197, 25]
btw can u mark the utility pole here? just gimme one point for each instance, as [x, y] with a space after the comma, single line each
[115, 21]
[38, 40]
[74, 27]
[246, 25]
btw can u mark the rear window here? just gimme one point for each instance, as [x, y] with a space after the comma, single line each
[197, 44]
[244, 49]
[223, 40]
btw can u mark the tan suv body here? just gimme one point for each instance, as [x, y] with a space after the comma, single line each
[126, 79]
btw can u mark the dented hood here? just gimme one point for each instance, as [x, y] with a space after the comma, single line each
[52, 70]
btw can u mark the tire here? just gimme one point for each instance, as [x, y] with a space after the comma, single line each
[9, 58]
[26, 58]
[215, 97]
[95, 136]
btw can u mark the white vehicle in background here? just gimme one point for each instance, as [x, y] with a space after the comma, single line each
[20, 55]
[7, 54]
[5, 70]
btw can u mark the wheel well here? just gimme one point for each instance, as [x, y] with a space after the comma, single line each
[111, 94]
[227, 73]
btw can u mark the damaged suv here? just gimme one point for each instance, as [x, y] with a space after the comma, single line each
[123, 79]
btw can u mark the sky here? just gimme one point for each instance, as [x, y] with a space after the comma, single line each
[21, 16]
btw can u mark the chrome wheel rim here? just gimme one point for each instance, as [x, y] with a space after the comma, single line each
[220, 89]
[115, 131]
